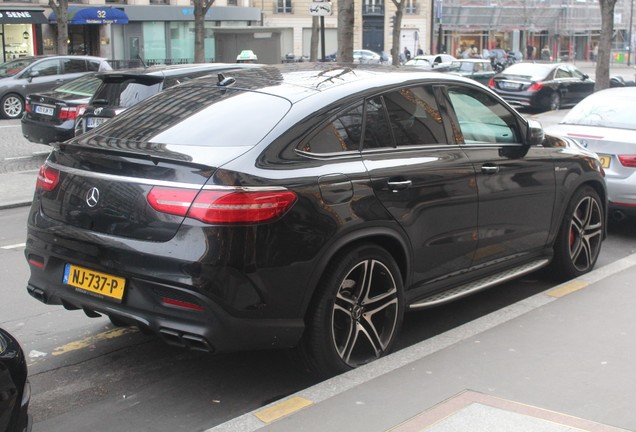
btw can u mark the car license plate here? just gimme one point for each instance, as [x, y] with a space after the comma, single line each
[93, 122]
[44, 110]
[509, 85]
[605, 160]
[94, 282]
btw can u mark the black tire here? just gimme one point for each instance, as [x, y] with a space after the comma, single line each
[578, 243]
[11, 106]
[357, 313]
[554, 102]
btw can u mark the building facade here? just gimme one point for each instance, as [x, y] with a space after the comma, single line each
[163, 30]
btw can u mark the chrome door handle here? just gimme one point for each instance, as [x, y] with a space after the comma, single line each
[399, 185]
[489, 169]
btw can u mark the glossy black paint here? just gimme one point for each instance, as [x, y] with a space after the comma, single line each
[15, 391]
[515, 85]
[437, 208]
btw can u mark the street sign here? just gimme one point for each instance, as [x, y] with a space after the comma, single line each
[320, 9]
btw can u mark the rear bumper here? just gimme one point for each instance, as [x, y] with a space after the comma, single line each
[45, 133]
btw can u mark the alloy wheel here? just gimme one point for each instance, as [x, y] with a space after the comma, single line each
[586, 233]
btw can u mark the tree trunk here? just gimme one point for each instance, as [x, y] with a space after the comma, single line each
[315, 38]
[346, 20]
[605, 44]
[61, 12]
[201, 8]
[397, 30]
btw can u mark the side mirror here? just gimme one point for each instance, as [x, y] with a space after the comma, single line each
[585, 77]
[535, 133]
[32, 74]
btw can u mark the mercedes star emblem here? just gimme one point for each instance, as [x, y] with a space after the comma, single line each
[92, 197]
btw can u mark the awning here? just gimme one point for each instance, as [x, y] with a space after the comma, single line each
[95, 15]
[22, 17]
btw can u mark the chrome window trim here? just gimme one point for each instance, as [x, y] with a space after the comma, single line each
[163, 183]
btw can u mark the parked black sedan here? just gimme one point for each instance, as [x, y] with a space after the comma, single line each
[50, 116]
[479, 70]
[307, 205]
[15, 391]
[542, 86]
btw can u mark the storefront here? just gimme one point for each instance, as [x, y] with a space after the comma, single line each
[89, 28]
[21, 32]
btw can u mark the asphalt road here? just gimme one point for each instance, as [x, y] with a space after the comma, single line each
[88, 375]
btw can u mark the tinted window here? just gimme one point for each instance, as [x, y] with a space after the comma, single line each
[414, 117]
[124, 94]
[562, 73]
[343, 133]
[377, 131]
[47, 67]
[482, 119]
[74, 65]
[95, 66]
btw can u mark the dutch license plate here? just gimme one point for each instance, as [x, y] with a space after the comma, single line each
[94, 282]
[605, 160]
[44, 110]
[93, 122]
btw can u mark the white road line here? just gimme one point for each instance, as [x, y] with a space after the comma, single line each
[14, 246]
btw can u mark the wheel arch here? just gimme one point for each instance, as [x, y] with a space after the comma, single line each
[394, 243]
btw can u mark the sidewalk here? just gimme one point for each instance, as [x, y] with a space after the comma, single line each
[17, 188]
[562, 360]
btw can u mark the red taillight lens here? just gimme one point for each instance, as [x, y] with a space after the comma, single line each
[48, 178]
[535, 87]
[628, 160]
[67, 113]
[28, 107]
[491, 83]
[222, 206]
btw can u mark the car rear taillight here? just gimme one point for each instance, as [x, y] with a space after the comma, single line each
[48, 178]
[491, 83]
[223, 206]
[628, 160]
[28, 107]
[68, 113]
[535, 87]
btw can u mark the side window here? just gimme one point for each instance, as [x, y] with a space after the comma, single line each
[343, 133]
[482, 119]
[93, 66]
[47, 67]
[74, 66]
[562, 73]
[377, 131]
[414, 116]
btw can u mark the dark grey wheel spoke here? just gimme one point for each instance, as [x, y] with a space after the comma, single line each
[586, 231]
[365, 313]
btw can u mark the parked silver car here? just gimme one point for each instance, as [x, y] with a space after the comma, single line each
[604, 122]
[27, 75]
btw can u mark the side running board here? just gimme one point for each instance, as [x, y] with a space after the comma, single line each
[478, 285]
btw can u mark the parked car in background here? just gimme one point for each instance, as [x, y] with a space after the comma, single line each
[15, 391]
[27, 75]
[308, 205]
[479, 70]
[605, 122]
[366, 57]
[542, 86]
[119, 90]
[438, 62]
[50, 116]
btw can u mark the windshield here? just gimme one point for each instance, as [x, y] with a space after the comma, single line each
[14, 67]
[610, 111]
[83, 86]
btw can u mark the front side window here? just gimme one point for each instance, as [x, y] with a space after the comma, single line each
[283, 6]
[483, 119]
[47, 67]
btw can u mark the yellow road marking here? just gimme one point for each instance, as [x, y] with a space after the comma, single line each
[566, 289]
[86, 342]
[282, 409]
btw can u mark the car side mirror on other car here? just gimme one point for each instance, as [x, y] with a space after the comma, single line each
[535, 133]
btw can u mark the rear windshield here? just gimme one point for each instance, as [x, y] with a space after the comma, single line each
[610, 111]
[200, 115]
[124, 94]
[532, 71]
[83, 86]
